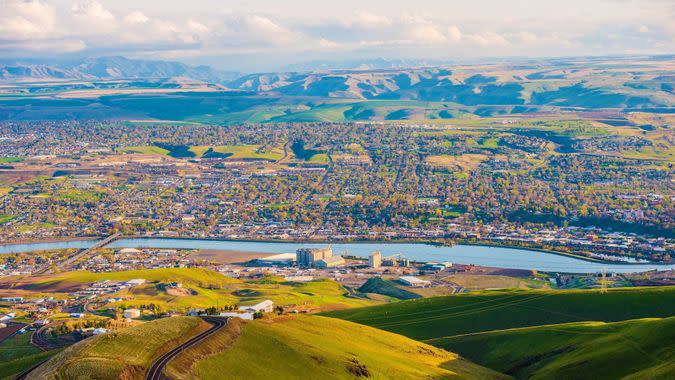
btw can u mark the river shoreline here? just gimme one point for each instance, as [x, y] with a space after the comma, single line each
[429, 242]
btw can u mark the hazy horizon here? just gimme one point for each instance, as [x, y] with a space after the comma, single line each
[243, 36]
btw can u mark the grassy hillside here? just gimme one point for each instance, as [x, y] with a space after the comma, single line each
[496, 310]
[317, 347]
[639, 349]
[379, 286]
[17, 354]
[125, 353]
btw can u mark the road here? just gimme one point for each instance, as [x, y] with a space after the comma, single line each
[40, 339]
[155, 371]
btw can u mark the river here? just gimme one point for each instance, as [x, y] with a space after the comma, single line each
[512, 258]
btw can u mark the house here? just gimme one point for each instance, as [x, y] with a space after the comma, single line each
[264, 306]
[99, 331]
[414, 282]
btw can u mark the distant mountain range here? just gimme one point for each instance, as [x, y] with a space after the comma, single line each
[371, 90]
[113, 68]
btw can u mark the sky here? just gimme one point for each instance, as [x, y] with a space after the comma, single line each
[257, 35]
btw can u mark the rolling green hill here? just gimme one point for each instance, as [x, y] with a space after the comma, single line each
[497, 310]
[635, 349]
[316, 347]
[379, 286]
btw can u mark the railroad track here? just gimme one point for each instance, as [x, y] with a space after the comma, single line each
[155, 371]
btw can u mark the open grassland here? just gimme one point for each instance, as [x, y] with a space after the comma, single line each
[147, 149]
[497, 310]
[634, 349]
[485, 282]
[9, 160]
[465, 162]
[122, 354]
[17, 355]
[4, 218]
[241, 152]
[317, 347]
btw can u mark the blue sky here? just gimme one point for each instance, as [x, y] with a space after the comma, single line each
[266, 35]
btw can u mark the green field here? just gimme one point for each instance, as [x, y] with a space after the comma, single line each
[438, 317]
[388, 288]
[126, 353]
[635, 349]
[146, 149]
[4, 218]
[17, 355]
[239, 152]
[9, 160]
[316, 347]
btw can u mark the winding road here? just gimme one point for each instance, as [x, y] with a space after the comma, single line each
[155, 371]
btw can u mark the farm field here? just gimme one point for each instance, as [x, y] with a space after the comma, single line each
[432, 318]
[635, 349]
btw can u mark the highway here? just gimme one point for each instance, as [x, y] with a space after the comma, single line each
[155, 371]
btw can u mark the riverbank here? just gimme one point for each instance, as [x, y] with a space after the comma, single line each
[51, 240]
[431, 242]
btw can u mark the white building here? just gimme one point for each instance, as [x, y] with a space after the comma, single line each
[246, 316]
[414, 282]
[135, 282]
[129, 251]
[265, 306]
[131, 313]
[99, 331]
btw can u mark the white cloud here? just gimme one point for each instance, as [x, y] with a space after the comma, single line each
[486, 39]
[454, 33]
[136, 17]
[22, 20]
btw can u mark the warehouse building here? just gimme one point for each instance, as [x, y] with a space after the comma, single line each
[330, 262]
[414, 282]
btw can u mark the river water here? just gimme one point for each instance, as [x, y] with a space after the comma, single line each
[512, 258]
